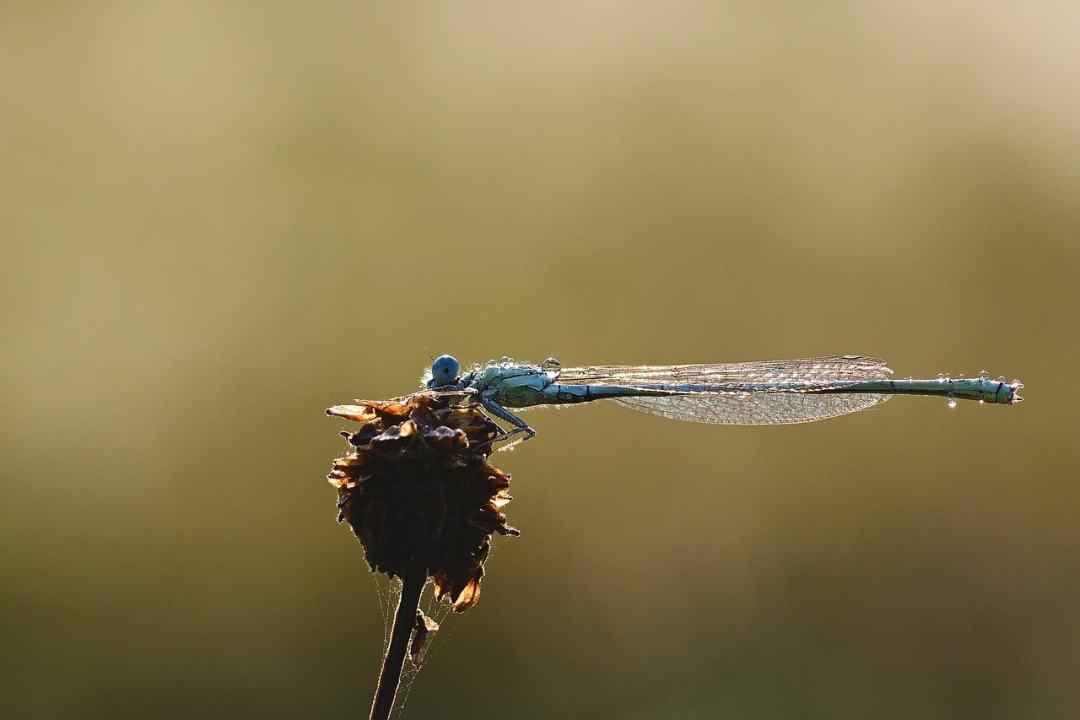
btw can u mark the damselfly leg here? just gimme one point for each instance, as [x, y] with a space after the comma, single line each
[520, 426]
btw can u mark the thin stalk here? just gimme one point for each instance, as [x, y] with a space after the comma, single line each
[412, 585]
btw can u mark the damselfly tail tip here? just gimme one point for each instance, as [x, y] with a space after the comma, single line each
[1014, 392]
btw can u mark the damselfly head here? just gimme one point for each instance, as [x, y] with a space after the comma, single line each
[444, 371]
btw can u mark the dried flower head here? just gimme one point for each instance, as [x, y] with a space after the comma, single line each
[418, 490]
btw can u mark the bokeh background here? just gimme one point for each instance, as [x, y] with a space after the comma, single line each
[218, 218]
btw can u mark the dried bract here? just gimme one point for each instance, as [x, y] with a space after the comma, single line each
[422, 628]
[418, 490]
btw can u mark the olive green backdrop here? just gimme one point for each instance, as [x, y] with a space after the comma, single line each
[217, 219]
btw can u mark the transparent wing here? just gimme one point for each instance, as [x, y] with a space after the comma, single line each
[753, 408]
[809, 372]
[749, 393]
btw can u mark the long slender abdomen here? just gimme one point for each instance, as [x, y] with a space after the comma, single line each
[982, 389]
[558, 394]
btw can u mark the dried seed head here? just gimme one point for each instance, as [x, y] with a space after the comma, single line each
[418, 490]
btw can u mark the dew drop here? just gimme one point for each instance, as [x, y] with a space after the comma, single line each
[551, 365]
[952, 402]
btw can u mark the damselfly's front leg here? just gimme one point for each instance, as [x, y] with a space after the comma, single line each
[520, 426]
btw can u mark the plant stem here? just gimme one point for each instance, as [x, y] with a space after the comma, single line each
[404, 620]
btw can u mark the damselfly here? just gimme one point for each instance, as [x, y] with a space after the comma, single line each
[747, 393]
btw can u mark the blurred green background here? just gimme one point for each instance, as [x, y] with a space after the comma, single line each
[219, 218]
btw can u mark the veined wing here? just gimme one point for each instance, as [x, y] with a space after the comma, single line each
[823, 371]
[748, 393]
[753, 408]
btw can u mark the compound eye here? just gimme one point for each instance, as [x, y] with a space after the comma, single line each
[444, 371]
